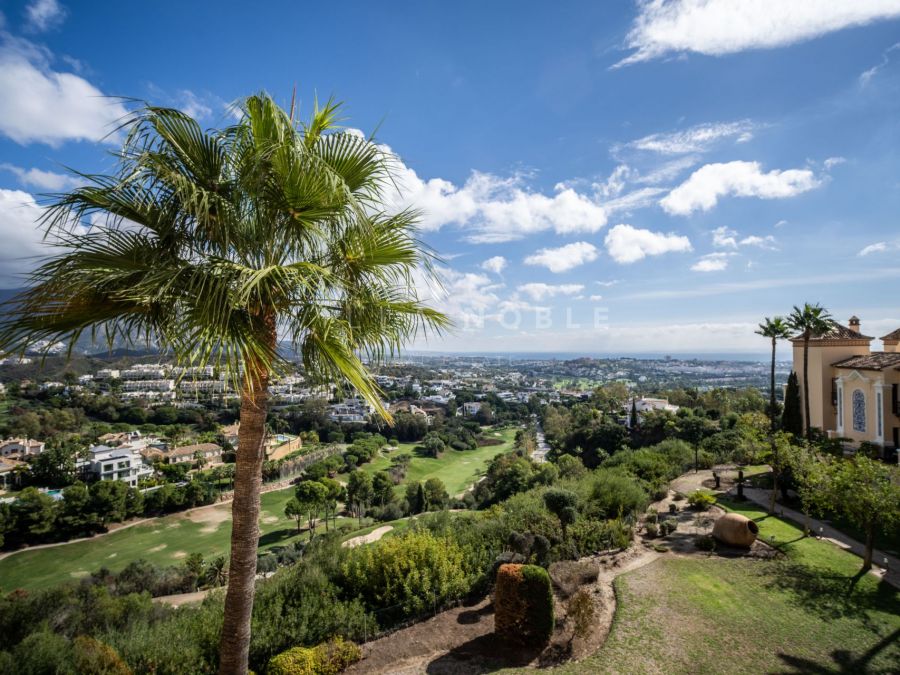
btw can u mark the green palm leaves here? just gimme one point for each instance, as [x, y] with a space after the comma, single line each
[202, 240]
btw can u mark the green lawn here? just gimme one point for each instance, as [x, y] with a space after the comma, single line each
[459, 469]
[885, 541]
[808, 613]
[165, 541]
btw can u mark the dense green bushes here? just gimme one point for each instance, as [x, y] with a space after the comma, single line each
[413, 571]
[615, 493]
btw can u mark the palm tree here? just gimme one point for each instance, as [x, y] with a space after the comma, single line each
[775, 329]
[216, 245]
[809, 320]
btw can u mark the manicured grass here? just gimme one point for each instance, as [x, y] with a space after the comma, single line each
[808, 612]
[459, 469]
[885, 541]
[165, 541]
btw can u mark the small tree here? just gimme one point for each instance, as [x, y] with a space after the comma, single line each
[867, 493]
[334, 492]
[562, 504]
[311, 495]
[382, 488]
[792, 415]
[435, 494]
[433, 444]
[293, 509]
[359, 492]
[193, 565]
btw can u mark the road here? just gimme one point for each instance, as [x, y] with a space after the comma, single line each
[540, 454]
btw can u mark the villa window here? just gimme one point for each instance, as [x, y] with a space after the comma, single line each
[840, 407]
[878, 422]
[859, 411]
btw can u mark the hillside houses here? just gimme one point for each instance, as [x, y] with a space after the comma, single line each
[20, 448]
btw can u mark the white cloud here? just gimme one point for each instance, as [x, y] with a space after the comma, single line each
[880, 247]
[780, 223]
[866, 77]
[812, 281]
[464, 296]
[496, 264]
[616, 182]
[40, 104]
[21, 236]
[607, 284]
[193, 105]
[627, 244]
[724, 237]
[742, 179]
[668, 170]
[45, 180]
[495, 209]
[42, 15]
[540, 291]
[767, 242]
[699, 138]
[564, 258]
[717, 27]
[712, 262]
[596, 298]
[833, 161]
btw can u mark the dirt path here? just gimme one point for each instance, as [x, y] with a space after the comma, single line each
[373, 536]
[180, 599]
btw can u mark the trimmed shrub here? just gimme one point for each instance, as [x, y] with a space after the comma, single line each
[523, 604]
[329, 658]
[668, 526]
[701, 500]
[652, 529]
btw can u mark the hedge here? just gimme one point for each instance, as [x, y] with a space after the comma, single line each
[523, 604]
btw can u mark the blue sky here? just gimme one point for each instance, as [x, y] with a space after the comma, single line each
[616, 176]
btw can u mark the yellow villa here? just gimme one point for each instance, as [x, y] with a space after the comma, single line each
[853, 390]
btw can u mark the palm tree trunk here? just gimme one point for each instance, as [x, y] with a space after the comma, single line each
[772, 390]
[234, 645]
[806, 384]
[772, 425]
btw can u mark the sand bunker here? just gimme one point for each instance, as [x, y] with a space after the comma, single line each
[211, 519]
[373, 536]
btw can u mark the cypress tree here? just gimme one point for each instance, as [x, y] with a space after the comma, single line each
[792, 417]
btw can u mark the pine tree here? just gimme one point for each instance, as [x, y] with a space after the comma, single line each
[792, 417]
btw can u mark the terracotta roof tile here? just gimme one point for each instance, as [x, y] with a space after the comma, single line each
[873, 361]
[893, 335]
[838, 332]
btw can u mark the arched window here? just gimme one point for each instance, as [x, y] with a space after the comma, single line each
[859, 411]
